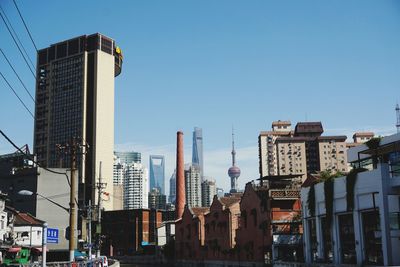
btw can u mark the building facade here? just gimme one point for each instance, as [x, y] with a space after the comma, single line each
[358, 222]
[157, 200]
[193, 186]
[189, 234]
[172, 189]
[303, 150]
[197, 149]
[221, 223]
[75, 99]
[362, 137]
[208, 191]
[261, 225]
[129, 231]
[136, 186]
[157, 173]
[128, 157]
[267, 150]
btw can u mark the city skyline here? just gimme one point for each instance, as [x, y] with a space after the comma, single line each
[313, 59]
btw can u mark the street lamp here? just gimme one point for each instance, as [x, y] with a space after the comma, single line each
[44, 240]
[44, 231]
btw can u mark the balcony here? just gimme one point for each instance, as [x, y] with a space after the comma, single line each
[284, 194]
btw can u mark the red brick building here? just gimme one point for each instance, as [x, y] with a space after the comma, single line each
[262, 225]
[129, 231]
[253, 237]
[220, 228]
[189, 234]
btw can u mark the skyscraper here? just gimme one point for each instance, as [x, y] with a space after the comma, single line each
[197, 151]
[129, 157]
[157, 173]
[75, 98]
[136, 186]
[172, 188]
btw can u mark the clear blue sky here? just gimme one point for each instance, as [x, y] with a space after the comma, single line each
[212, 64]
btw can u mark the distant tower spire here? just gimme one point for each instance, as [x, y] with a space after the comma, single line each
[398, 118]
[233, 148]
[234, 171]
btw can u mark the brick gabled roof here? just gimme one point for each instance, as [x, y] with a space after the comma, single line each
[199, 210]
[229, 201]
[26, 219]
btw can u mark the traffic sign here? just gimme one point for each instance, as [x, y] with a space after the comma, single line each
[52, 235]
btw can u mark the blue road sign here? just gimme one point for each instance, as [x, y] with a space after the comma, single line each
[52, 235]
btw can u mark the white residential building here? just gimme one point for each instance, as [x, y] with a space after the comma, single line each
[27, 230]
[193, 185]
[366, 232]
[136, 186]
[118, 171]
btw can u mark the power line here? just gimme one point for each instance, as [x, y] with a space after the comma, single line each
[30, 157]
[26, 27]
[9, 63]
[15, 93]
[16, 43]
[16, 35]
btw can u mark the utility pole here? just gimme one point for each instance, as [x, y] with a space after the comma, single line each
[72, 148]
[72, 212]
[89, 218]
[100, 186]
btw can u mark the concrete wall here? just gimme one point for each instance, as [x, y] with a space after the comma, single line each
[55, 187]
[104, 122]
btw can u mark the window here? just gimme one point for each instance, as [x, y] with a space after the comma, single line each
[244, 218]
[254, 214]
[394, 220]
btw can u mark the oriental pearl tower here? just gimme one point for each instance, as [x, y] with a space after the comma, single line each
[234, 171]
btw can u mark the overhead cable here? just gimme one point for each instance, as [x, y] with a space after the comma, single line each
[15, 72]
[15, 93]
[26, 27]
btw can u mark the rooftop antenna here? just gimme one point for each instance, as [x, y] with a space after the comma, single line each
[398, 118]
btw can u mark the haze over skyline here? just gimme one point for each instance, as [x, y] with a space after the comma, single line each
[212, 64]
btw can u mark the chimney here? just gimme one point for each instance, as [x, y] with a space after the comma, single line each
[180, 177]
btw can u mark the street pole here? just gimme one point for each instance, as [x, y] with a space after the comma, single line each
[44, 241]
[90, 229]
[72, 213]
[98, 230]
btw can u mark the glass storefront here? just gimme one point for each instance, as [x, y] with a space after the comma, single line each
[327, 241]
[347, 240]
[372, 238]
[313, 239]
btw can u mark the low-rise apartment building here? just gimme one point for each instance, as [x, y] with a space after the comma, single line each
[355, 219]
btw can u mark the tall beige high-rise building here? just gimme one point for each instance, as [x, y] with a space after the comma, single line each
[75, 98]
[332, 153]
[267, 150]
[283, 151]
[291, 152]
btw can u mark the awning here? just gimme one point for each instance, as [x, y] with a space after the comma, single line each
[14, 250]
[39, 249]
